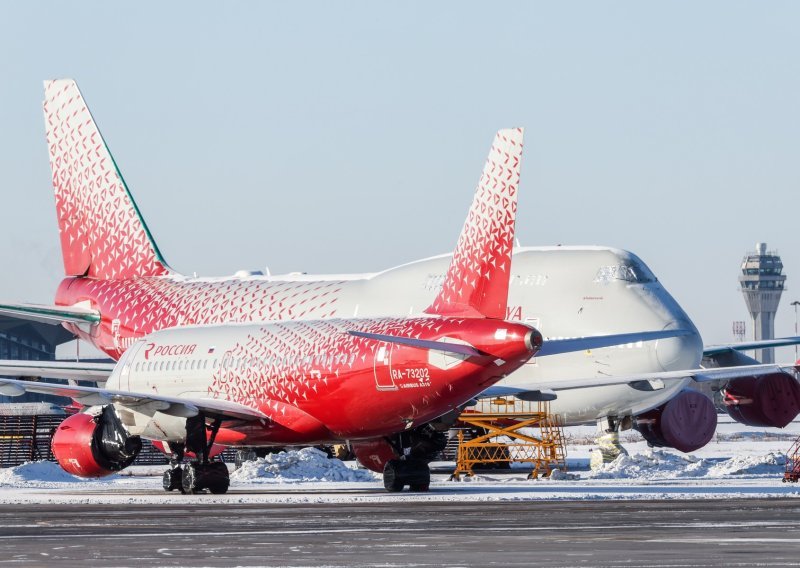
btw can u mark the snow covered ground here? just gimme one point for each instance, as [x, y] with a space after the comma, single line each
[739, 462]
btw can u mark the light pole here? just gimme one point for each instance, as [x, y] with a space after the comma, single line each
[795, 304]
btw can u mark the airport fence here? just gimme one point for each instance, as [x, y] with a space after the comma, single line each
[25, 438]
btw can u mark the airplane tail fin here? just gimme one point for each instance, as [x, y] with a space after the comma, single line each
[476, 283]
[103, 235]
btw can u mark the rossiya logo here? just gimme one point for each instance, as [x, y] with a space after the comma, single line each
[168, 350]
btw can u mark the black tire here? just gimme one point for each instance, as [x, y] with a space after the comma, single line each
[393, 476]
[217, 479]
[219, 488]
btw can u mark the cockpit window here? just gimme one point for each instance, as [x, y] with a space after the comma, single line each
[630, 270]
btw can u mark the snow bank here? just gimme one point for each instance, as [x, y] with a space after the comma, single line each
[37, 472]
[659, 464]
[308, 464]
[768, 464]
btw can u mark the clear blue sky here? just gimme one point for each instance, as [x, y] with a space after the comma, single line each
[349, 136]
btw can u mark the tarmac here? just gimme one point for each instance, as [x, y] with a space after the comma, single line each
[669, 533]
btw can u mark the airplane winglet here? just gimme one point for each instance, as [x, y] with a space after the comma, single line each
[476, 283]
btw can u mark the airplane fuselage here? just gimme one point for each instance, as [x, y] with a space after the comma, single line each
[313, 380]
[562, 291]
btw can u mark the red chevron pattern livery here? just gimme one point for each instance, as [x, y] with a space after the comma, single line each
[479, 274]
[102, 233]
[136, 307]
[318, 383]
[114, 267]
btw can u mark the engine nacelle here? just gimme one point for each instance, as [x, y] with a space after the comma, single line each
[771, 400]
[686, 422]
[374, 454]
[94, 446]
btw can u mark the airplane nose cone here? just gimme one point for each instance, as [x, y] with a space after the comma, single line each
[677, 353]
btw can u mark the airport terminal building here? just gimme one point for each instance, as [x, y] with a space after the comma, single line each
[25, 339]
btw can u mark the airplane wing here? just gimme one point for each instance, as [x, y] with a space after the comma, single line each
[547, 390]
[95, 372]
[713, 350]
[53, 315]
[149, 403]
[549, 346]
[570, 345]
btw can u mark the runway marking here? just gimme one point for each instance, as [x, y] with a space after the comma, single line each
[605, 529]
[724, 540]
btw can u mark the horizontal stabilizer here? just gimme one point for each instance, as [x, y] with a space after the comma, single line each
[54, 315]
[457, 348]
[558, 346]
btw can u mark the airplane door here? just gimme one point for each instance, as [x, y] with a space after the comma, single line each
[383, 368]
[125, 372]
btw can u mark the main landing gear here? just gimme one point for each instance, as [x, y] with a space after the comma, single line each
[412, 472]
[418, 447]
[202, 473]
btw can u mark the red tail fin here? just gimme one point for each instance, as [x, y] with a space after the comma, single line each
[477, 280]
[102, 233]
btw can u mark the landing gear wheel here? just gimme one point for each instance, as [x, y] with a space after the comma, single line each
[392, 476]
[190, 479]
[212, 476]
[173, 479]
[399, 473]
[217, 478]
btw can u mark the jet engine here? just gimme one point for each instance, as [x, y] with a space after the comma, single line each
[686, 422]
[771, 401]
[94, 446]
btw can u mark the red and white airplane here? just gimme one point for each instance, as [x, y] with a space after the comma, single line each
[375, 382]
[118, 289]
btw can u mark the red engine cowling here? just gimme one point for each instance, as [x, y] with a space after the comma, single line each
[771, 401]
[94, 446]
[686, 422]
[373, 454]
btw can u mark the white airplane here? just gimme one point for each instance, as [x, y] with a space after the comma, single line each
[118, 288]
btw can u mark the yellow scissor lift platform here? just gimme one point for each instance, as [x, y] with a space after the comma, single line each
[501, 440]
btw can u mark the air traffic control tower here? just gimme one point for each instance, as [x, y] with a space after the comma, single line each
[762, 281]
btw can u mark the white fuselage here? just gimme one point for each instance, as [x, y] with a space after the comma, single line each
[563, 292]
